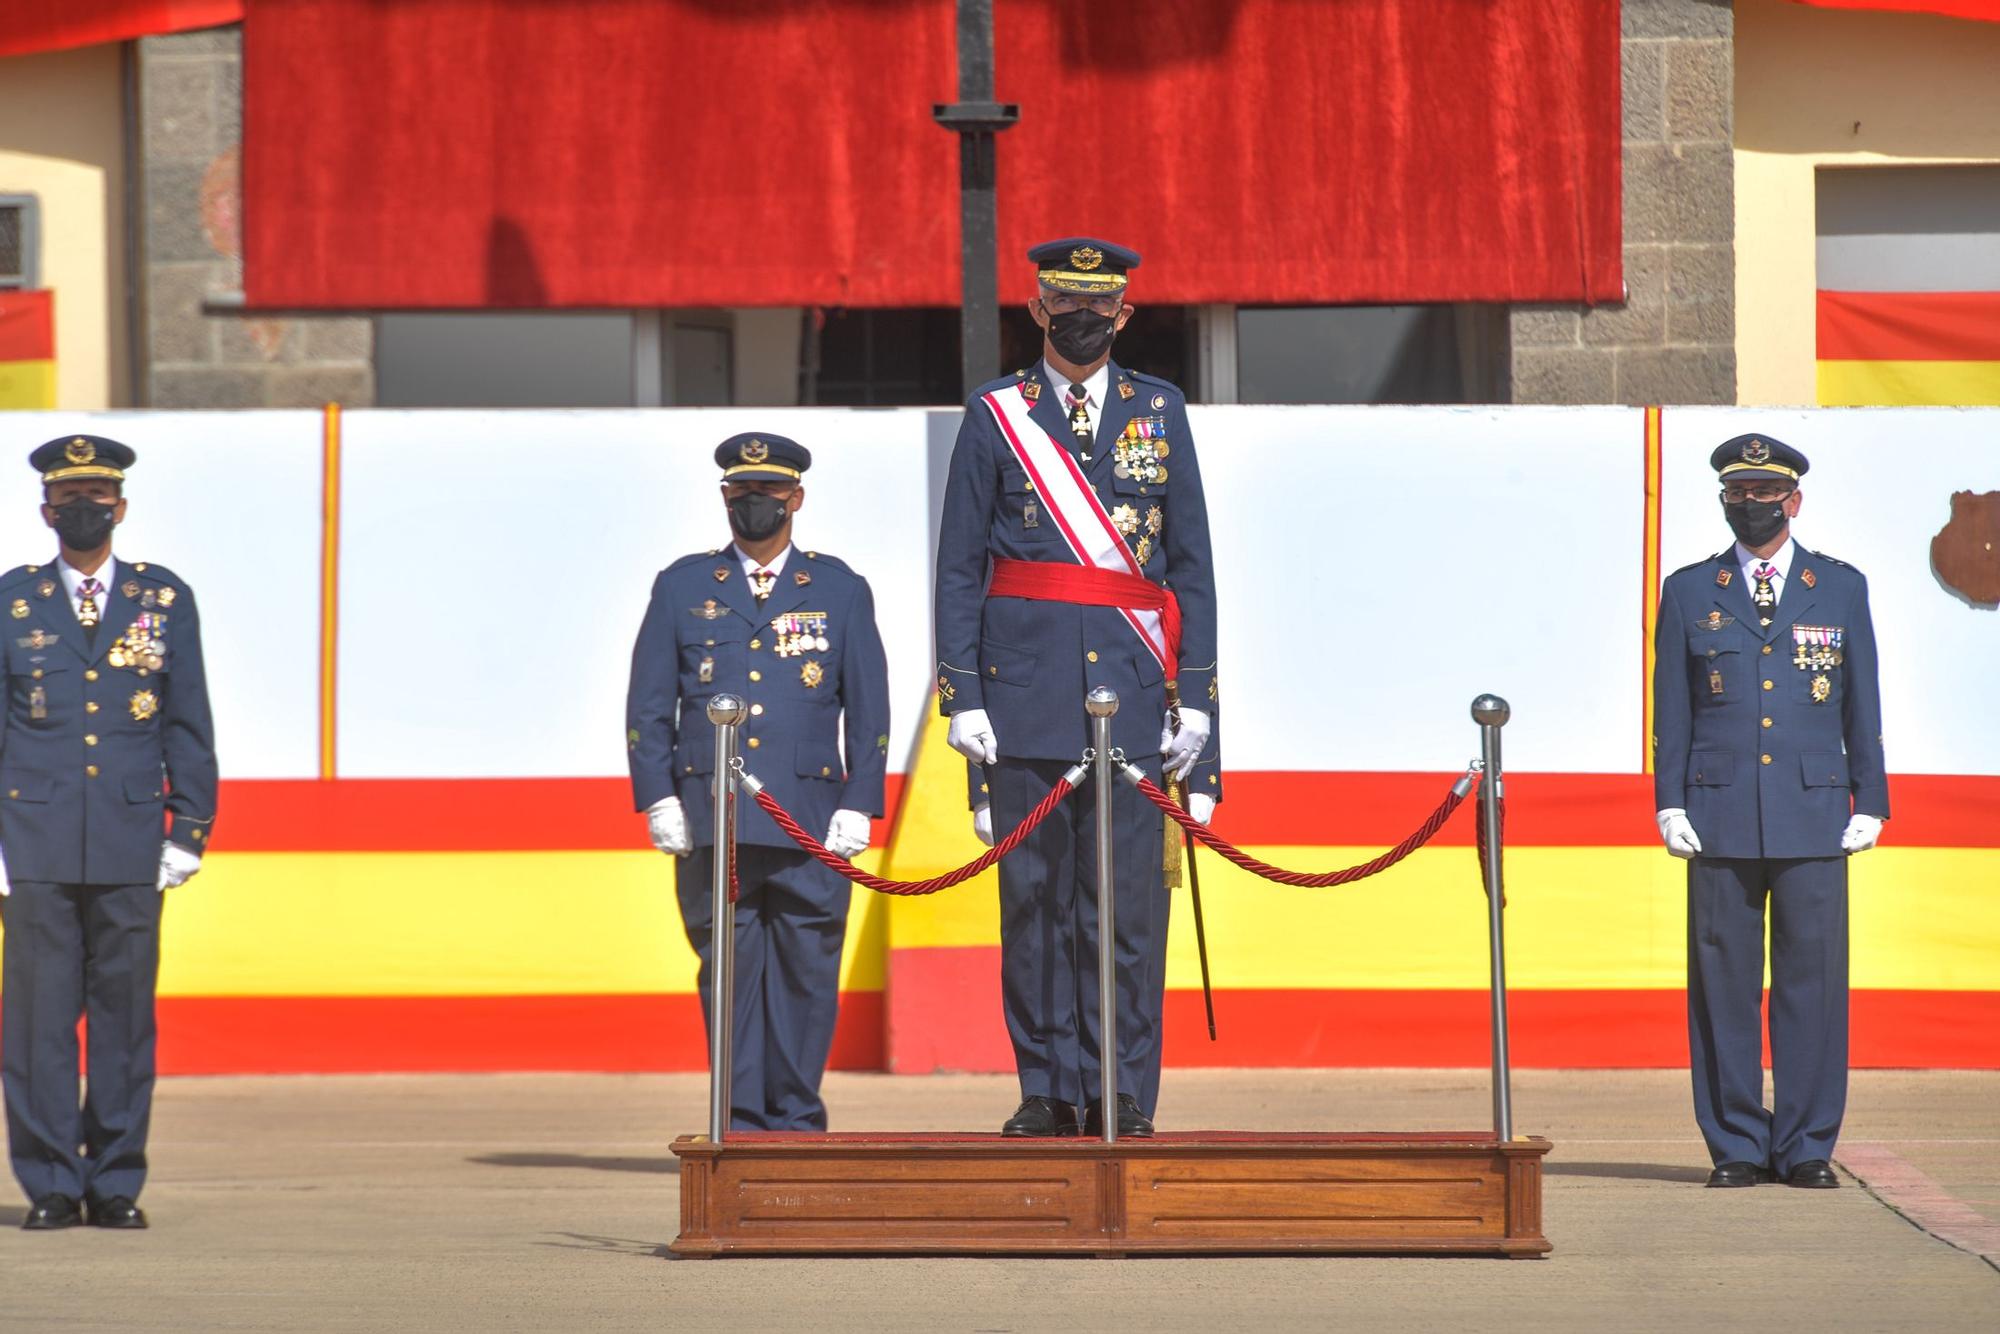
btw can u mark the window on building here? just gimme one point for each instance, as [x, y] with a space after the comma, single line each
[504, 359]
[20, 242]
[1370, 354]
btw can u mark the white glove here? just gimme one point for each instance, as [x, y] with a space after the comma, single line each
[971, 735]
[847, 834]
[1201, 806]
[668, 824]
[176, 865]
[1181, 749]
[1677, 833]
[1861, 833]
[5, 888]
[982, 822]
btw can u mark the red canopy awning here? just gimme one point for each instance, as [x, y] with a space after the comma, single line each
[28, 26]
[496, 153]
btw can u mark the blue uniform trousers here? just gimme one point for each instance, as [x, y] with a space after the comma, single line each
[791, 921]
[78, 951]
[1808, 899]
[1048, 935]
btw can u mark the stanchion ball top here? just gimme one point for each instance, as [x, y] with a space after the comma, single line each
[728, 709]
[1491, 711]
[1101, 702]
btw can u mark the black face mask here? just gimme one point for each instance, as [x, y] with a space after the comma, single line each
[1081, 336]
[1754, 522]
[85, 525]
[755, 516]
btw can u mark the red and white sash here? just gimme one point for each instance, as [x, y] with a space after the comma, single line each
[1081, 518]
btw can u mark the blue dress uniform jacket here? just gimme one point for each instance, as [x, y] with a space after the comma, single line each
[1767, 753]
[106, 746]
[1770, 737]
[809, 663]
[1029, 664]
[99, 752]
[705, 634]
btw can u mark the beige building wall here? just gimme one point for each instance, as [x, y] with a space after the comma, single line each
[1820, 87]
[61, 139]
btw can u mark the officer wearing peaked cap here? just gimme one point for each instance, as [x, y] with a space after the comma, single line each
[107, 797]
[792, 633]
[1768, 775]
[1074, 553]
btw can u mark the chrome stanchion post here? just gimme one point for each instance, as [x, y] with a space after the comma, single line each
[727, 712]
[1491, 713]
[1100, 704]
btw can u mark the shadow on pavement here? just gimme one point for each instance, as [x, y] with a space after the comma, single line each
[12, 1217]
[668, 1166]
[1628, 1171]
[584, 1241]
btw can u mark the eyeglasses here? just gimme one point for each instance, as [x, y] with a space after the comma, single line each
[1763, 495]
[1063, 305]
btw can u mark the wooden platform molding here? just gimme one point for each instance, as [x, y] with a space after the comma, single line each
[1205, 1192]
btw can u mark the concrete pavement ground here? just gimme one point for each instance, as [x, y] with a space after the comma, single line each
[544, 1202]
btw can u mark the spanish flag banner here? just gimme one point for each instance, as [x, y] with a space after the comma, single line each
[1884, 349]
[27, 349]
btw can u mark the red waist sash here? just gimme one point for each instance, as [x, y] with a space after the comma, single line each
[1088, 586]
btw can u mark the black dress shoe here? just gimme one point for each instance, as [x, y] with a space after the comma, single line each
[1740, 1174]
[116, 1212]
[1813, 1174]
[52, 1212]
[1131, 1121]
[1041, 1118]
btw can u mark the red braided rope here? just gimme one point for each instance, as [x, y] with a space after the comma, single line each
[1323, 880]
[935, 883]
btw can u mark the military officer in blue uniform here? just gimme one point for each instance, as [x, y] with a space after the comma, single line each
[107, 799]
[792, 633]
[1013, 671]
[1768, 775]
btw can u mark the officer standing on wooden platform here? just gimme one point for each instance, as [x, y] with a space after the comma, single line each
[107, 800]
[1769, 774]
[792, 633]
[1073, 554]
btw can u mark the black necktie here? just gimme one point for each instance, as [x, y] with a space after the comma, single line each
[1079, 418]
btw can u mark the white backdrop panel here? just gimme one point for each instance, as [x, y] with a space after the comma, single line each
[1878, 491]
[495, 567]
[1379, 567]
[229, 501]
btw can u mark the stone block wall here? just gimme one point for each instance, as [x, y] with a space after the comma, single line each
[191, 116]
[1673, 339]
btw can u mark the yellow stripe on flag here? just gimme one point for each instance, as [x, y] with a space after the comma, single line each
[1856, 384]
[446, 924]
[27, 385]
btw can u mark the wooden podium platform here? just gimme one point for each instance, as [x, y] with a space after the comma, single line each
[1208, 1192]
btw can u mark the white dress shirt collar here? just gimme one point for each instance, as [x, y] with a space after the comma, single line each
[1093, 387]
[73, 578]
[1781, 559]
[751, 566]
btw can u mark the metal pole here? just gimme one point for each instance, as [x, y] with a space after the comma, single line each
[726, 712]
[1100, 704]
[1491, 713]
[976, 118]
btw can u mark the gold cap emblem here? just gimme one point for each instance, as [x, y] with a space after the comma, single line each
[1085, 258]
[1756, 452]
[754, 451]
[80, 451]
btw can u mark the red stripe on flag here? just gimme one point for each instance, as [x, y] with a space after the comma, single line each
[1609, 1029]
[27, 326]
[1909, 326]
[1262, 810]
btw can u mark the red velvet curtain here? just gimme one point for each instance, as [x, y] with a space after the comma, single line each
[473, 153]
[27, 26]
